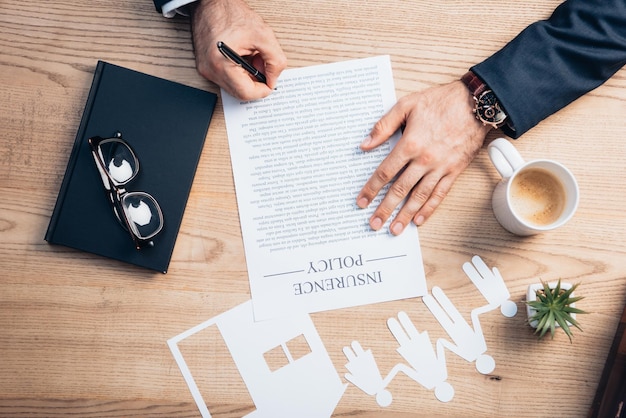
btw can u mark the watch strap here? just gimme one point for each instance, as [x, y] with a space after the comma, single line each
[474, 83]
[478, 88]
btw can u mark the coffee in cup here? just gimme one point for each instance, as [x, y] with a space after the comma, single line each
[533, 196]
[537, 196]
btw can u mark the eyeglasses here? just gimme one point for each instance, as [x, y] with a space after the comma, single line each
[138, 212]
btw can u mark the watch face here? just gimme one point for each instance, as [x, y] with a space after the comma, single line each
[488, 109]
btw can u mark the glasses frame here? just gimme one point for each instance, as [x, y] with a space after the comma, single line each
[116, 193]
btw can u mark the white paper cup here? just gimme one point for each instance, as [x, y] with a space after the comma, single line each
[533, 196]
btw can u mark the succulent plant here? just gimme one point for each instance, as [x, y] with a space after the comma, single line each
[553, 309]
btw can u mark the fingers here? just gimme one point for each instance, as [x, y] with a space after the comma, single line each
[391, 165]
[422, 194]
[421, 203]
[239, 83]
[440, 139]
[388, 169]
[410, 169]
[271, 61]
[234, 23]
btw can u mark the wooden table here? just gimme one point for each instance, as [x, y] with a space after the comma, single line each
[84, 335]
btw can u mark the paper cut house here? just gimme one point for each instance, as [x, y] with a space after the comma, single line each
[282, 362]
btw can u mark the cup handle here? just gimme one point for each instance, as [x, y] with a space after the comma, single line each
[504, 157]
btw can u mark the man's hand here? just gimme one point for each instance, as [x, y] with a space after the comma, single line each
[440, 139]
[234, 23]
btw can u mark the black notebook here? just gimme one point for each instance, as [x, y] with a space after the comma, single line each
[165, 124]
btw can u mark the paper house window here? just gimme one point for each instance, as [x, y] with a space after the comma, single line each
[286, 353]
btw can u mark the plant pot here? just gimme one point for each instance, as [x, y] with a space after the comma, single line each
[531, 295]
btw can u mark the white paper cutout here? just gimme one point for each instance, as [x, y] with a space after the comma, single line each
[307, 387]
[469, 341]
[491, 284]
[417, 349]
[287, 391]
[364, 373]
[426, 367]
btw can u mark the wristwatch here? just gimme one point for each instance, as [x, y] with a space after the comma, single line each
[487, 107]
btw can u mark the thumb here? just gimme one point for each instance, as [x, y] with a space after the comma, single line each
[384, 128]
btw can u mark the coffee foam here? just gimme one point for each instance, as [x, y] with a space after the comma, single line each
[537, 196]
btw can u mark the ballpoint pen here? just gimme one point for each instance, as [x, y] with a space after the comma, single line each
[238, 60]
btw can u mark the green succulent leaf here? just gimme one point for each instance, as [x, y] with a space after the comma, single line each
[569, 309]
[552, 309]
[564, 326]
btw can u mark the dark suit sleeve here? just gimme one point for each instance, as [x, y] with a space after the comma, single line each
[553, 62]
[159, 3]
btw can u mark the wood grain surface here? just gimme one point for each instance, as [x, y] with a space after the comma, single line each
[85, 336]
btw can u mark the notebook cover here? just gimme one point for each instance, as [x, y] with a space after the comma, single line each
[610, 399]
[166, 124]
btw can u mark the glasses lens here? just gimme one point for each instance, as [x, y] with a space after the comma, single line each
[143, 214]
[119, 160]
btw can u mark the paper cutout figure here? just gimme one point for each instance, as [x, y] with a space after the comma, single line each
[417, 349]
[308, 386]
[491, 284]
[287, 391]
[469, 341]
[426, 368]
[364, 373]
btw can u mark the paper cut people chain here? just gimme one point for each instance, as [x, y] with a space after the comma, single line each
[423, 363]
[425, 366]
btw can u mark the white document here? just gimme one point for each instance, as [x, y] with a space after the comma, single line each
[298, 169]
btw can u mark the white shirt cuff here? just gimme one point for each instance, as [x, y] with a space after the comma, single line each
[174, 7]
